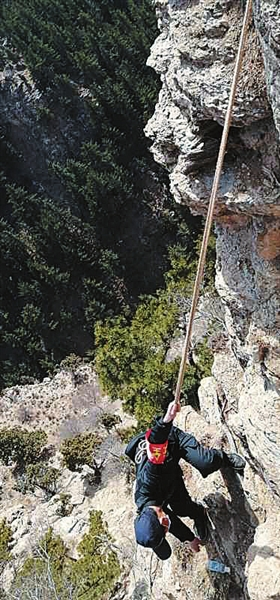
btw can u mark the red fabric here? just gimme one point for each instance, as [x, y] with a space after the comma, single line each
[156, 452]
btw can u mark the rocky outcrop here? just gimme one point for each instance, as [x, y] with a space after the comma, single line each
[267, 21]
[194, 55]
[263, 558]
[62, 405]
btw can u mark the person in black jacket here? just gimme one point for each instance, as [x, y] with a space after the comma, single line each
[160, 493]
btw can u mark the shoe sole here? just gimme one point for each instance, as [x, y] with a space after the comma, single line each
[207, 536]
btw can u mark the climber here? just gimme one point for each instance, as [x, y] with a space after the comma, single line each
[160, 493]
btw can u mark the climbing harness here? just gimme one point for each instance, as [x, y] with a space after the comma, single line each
[209, 218]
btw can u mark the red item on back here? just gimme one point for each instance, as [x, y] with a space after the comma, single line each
[156, 452]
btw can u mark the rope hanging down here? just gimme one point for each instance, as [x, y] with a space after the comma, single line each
[209, 218]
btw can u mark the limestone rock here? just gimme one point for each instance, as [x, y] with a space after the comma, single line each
[63, 405]
[194, 55]
[263, 561]
[261, 428]
[267, 19]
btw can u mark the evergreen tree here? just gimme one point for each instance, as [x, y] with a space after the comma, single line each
[85, 254]
[51, 574]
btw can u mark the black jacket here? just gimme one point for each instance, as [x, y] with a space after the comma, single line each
[155, 484]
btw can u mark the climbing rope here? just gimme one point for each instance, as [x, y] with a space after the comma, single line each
[209, 218]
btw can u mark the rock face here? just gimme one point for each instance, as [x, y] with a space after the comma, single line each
[194, 55]
[263, 557]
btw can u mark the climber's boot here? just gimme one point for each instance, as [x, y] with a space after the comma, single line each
[201, 526]
[235, 462]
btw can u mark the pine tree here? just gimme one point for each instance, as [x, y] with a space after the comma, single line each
[65, 260]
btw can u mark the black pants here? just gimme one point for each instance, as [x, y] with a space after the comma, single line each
[181, 504]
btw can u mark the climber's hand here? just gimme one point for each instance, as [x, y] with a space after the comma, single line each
[195, 545]
[171, 412]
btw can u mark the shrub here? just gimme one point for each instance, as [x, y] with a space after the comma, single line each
[98, 568]
[130, 357]
[126, 433]
[131, 354]
[79, 450]
[195, 372]
[204, 359]
[44, 568]
[5, 539]
[21, 446]
[181, 276]
[42, 476]
[71, 363]
[64, 507]
[51, 574]
[109, 420]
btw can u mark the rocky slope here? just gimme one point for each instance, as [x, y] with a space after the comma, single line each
[239, 508]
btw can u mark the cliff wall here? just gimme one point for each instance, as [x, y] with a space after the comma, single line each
[194, 55]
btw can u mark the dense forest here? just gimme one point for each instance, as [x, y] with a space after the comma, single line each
[87, 223]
